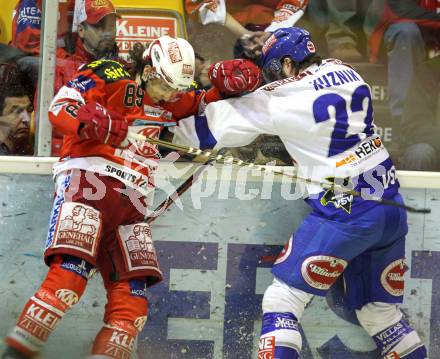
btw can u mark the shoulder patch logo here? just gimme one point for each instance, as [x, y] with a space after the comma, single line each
[109, 70]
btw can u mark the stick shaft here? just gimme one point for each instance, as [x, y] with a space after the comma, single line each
[212, 156]
[180, 190]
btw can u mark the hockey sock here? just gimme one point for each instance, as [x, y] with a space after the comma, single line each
[400, 341]
[125, 316]
[60, 290]
[280, 338]
[115, 340]
[37, 320]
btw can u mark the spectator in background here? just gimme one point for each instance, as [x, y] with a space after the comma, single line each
[94, 22]
[27, 65]
[26, 31]
[245, 16]
[335, 16]
[25, 42]
[406, 28]
[26, 26]
[94, 26]
[15, 114]
[420, 125]
[251, 22]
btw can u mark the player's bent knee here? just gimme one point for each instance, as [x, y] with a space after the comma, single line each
[67, 278]
[377, 316]
[280, 297]
[391, 332]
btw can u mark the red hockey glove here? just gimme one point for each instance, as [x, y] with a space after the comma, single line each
[102, 125]
[233, 77]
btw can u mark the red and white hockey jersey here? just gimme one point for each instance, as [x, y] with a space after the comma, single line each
[109, 84]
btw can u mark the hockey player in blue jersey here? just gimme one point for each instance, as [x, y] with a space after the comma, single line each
[322, 111]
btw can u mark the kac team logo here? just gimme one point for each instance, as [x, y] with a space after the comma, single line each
[144, 148]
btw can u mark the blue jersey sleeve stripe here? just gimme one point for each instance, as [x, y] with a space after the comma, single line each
[204, 134]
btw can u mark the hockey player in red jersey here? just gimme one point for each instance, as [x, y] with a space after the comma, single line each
[232, 77]
[96, 223]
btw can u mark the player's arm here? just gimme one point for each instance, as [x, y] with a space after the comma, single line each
[63, 111]
[229, 78]
[192, 102]
[84, 86]
[72, 116]
[228, 123]
[79, 110]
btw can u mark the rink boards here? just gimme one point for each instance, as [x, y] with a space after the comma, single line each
[216, 260]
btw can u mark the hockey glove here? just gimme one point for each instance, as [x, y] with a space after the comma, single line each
[100, 124]
[233, 77]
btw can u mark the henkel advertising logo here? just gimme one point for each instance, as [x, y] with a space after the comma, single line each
[144, 29]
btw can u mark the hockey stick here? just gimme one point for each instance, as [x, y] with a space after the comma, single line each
[181, 189]
[231, 160]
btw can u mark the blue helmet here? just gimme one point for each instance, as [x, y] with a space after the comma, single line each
[293, 42]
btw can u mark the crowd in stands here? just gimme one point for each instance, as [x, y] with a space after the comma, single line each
[402, 35]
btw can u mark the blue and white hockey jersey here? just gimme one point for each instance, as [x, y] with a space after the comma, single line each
[324, 117]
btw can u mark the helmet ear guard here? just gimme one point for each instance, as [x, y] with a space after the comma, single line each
[173, 61]
[273, 71]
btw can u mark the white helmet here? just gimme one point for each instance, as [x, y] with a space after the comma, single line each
[173, 60]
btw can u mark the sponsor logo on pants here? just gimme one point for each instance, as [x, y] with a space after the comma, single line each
[79, 228]
[138, 246]
[321, 272]
[392, 277]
